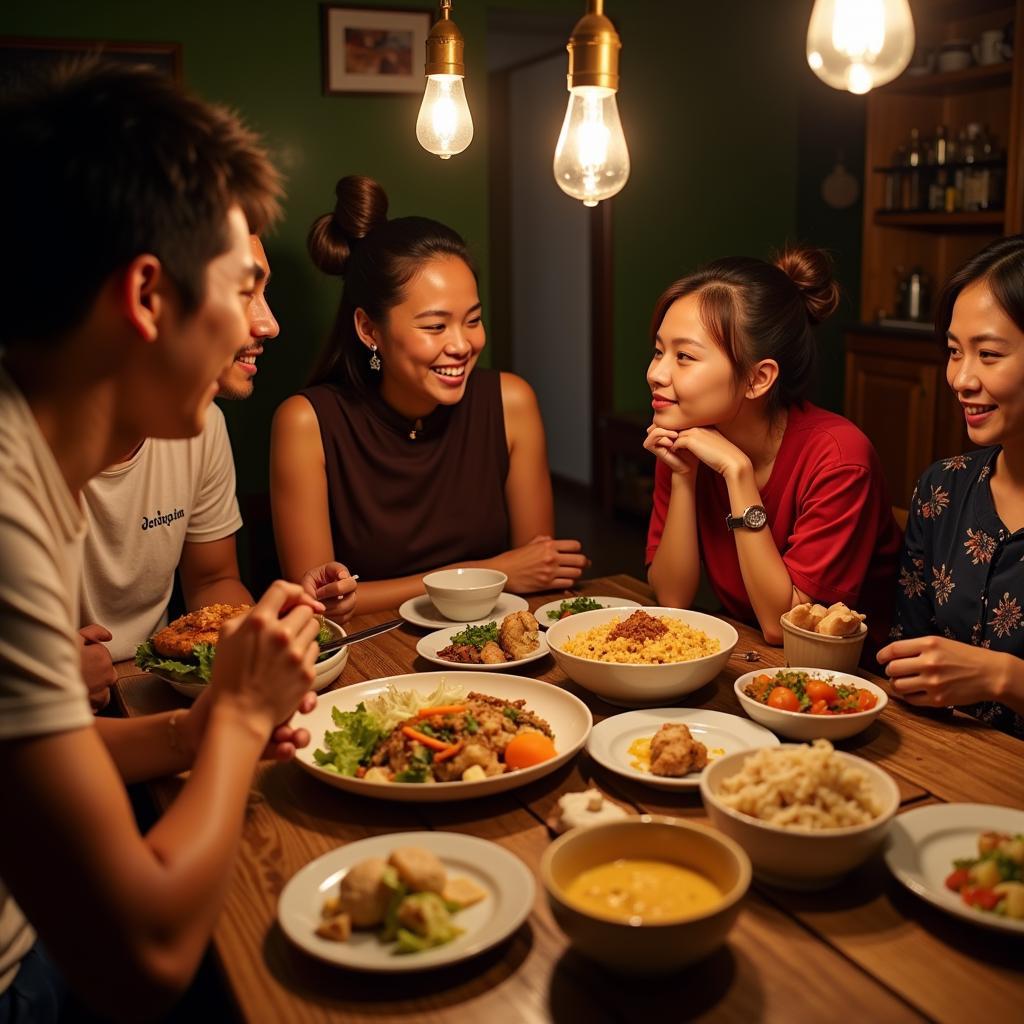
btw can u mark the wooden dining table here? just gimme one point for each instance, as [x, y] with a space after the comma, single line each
[865, 949]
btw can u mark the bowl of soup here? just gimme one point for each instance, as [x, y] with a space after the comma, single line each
[646, 895]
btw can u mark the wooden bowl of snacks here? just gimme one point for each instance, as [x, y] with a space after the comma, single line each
[818, 637]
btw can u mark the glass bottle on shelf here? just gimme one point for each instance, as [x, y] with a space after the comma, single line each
[912, 186]
[941, 146]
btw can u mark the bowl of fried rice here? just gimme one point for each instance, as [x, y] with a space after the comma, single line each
[641, 658]
[805, 814]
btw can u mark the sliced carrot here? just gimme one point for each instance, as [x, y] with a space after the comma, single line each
[422, 737]
[448, 752]
[444, 709]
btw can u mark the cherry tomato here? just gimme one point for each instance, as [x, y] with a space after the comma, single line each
[980, 896]
[818, 689]
[956, 880]
[866, 700]
[784, 699]
[566, 613]
[820, 707]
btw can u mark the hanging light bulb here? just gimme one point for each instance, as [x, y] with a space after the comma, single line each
[591, 158]
[444, 125]
[859, 44]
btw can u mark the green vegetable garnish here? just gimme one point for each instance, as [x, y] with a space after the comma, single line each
[512, 713]
[574, 605]
[199, 671]
[477, 636]
[353, 742]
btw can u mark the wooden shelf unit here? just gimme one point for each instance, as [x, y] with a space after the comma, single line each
[896, 389]
[938, 242]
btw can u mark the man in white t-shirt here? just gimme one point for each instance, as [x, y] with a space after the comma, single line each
[170, 506]
[125, 268]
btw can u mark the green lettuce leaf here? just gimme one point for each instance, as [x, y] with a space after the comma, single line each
[197, 670]
[351, 743]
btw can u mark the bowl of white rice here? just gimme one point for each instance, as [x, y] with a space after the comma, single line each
[669, 653]
[805, 814]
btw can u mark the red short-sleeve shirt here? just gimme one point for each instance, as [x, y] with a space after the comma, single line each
[828, 512]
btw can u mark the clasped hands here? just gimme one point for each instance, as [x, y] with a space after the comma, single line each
[682, 450]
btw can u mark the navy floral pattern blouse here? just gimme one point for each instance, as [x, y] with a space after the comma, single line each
[962, 571]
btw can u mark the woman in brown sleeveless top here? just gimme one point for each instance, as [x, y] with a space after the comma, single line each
[402, 457]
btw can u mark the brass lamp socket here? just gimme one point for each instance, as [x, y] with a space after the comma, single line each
[445, 46]
[594, 50]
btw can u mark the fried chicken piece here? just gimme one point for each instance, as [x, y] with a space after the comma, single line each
[492, 654]
[674, 752]
[519, 634]
[202, 626]
[807, 616]
[840, 621]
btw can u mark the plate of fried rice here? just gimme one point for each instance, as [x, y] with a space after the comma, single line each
[641, 657]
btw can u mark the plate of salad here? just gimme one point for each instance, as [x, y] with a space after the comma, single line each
[966, 859]
[440, 736]
[554, 611]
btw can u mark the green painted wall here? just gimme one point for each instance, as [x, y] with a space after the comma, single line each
[709, 100]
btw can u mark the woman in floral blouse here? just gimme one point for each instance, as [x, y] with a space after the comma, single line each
[959, 633]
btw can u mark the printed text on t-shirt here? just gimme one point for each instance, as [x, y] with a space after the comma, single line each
[162, 519]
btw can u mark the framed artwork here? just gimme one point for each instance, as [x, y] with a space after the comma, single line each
[373, 49]
[24, 59]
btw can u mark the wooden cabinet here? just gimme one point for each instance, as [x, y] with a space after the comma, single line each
[896, 392]
[896, 389]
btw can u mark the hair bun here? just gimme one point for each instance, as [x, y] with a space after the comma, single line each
[361, 206]
[810, 270]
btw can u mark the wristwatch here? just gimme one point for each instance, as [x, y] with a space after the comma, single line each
[754, 517]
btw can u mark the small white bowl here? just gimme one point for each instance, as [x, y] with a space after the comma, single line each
[330, 668]
[464, 595]
[794, 858]
[646, 948]
[634, 686]
[801, 725]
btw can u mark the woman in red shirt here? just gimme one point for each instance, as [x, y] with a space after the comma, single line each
[782, 501]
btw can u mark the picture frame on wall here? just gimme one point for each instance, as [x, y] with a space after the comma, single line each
[23, 60]
[373, 49]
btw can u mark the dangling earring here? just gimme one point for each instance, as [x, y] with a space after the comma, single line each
[374, 358]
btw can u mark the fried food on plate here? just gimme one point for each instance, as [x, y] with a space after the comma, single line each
[202, 626]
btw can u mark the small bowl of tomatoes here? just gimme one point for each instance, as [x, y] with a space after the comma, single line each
[809, 703]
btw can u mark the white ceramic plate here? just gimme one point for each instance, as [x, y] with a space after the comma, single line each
[604, 602]
[420, 611]
[429, 645]
[568, 716]
[924, 842]
[722, 734]
[506, 880]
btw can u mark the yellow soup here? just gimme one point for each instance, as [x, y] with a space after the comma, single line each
[642, 891]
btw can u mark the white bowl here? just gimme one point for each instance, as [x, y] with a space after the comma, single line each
[646, 948]
[641, 685]
[330, 668]
[800, 858]
[464, 595]
[801, 725]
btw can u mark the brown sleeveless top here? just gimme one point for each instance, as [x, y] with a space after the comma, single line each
[402, 504]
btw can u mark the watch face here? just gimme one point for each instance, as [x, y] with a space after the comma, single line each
[755, 517]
